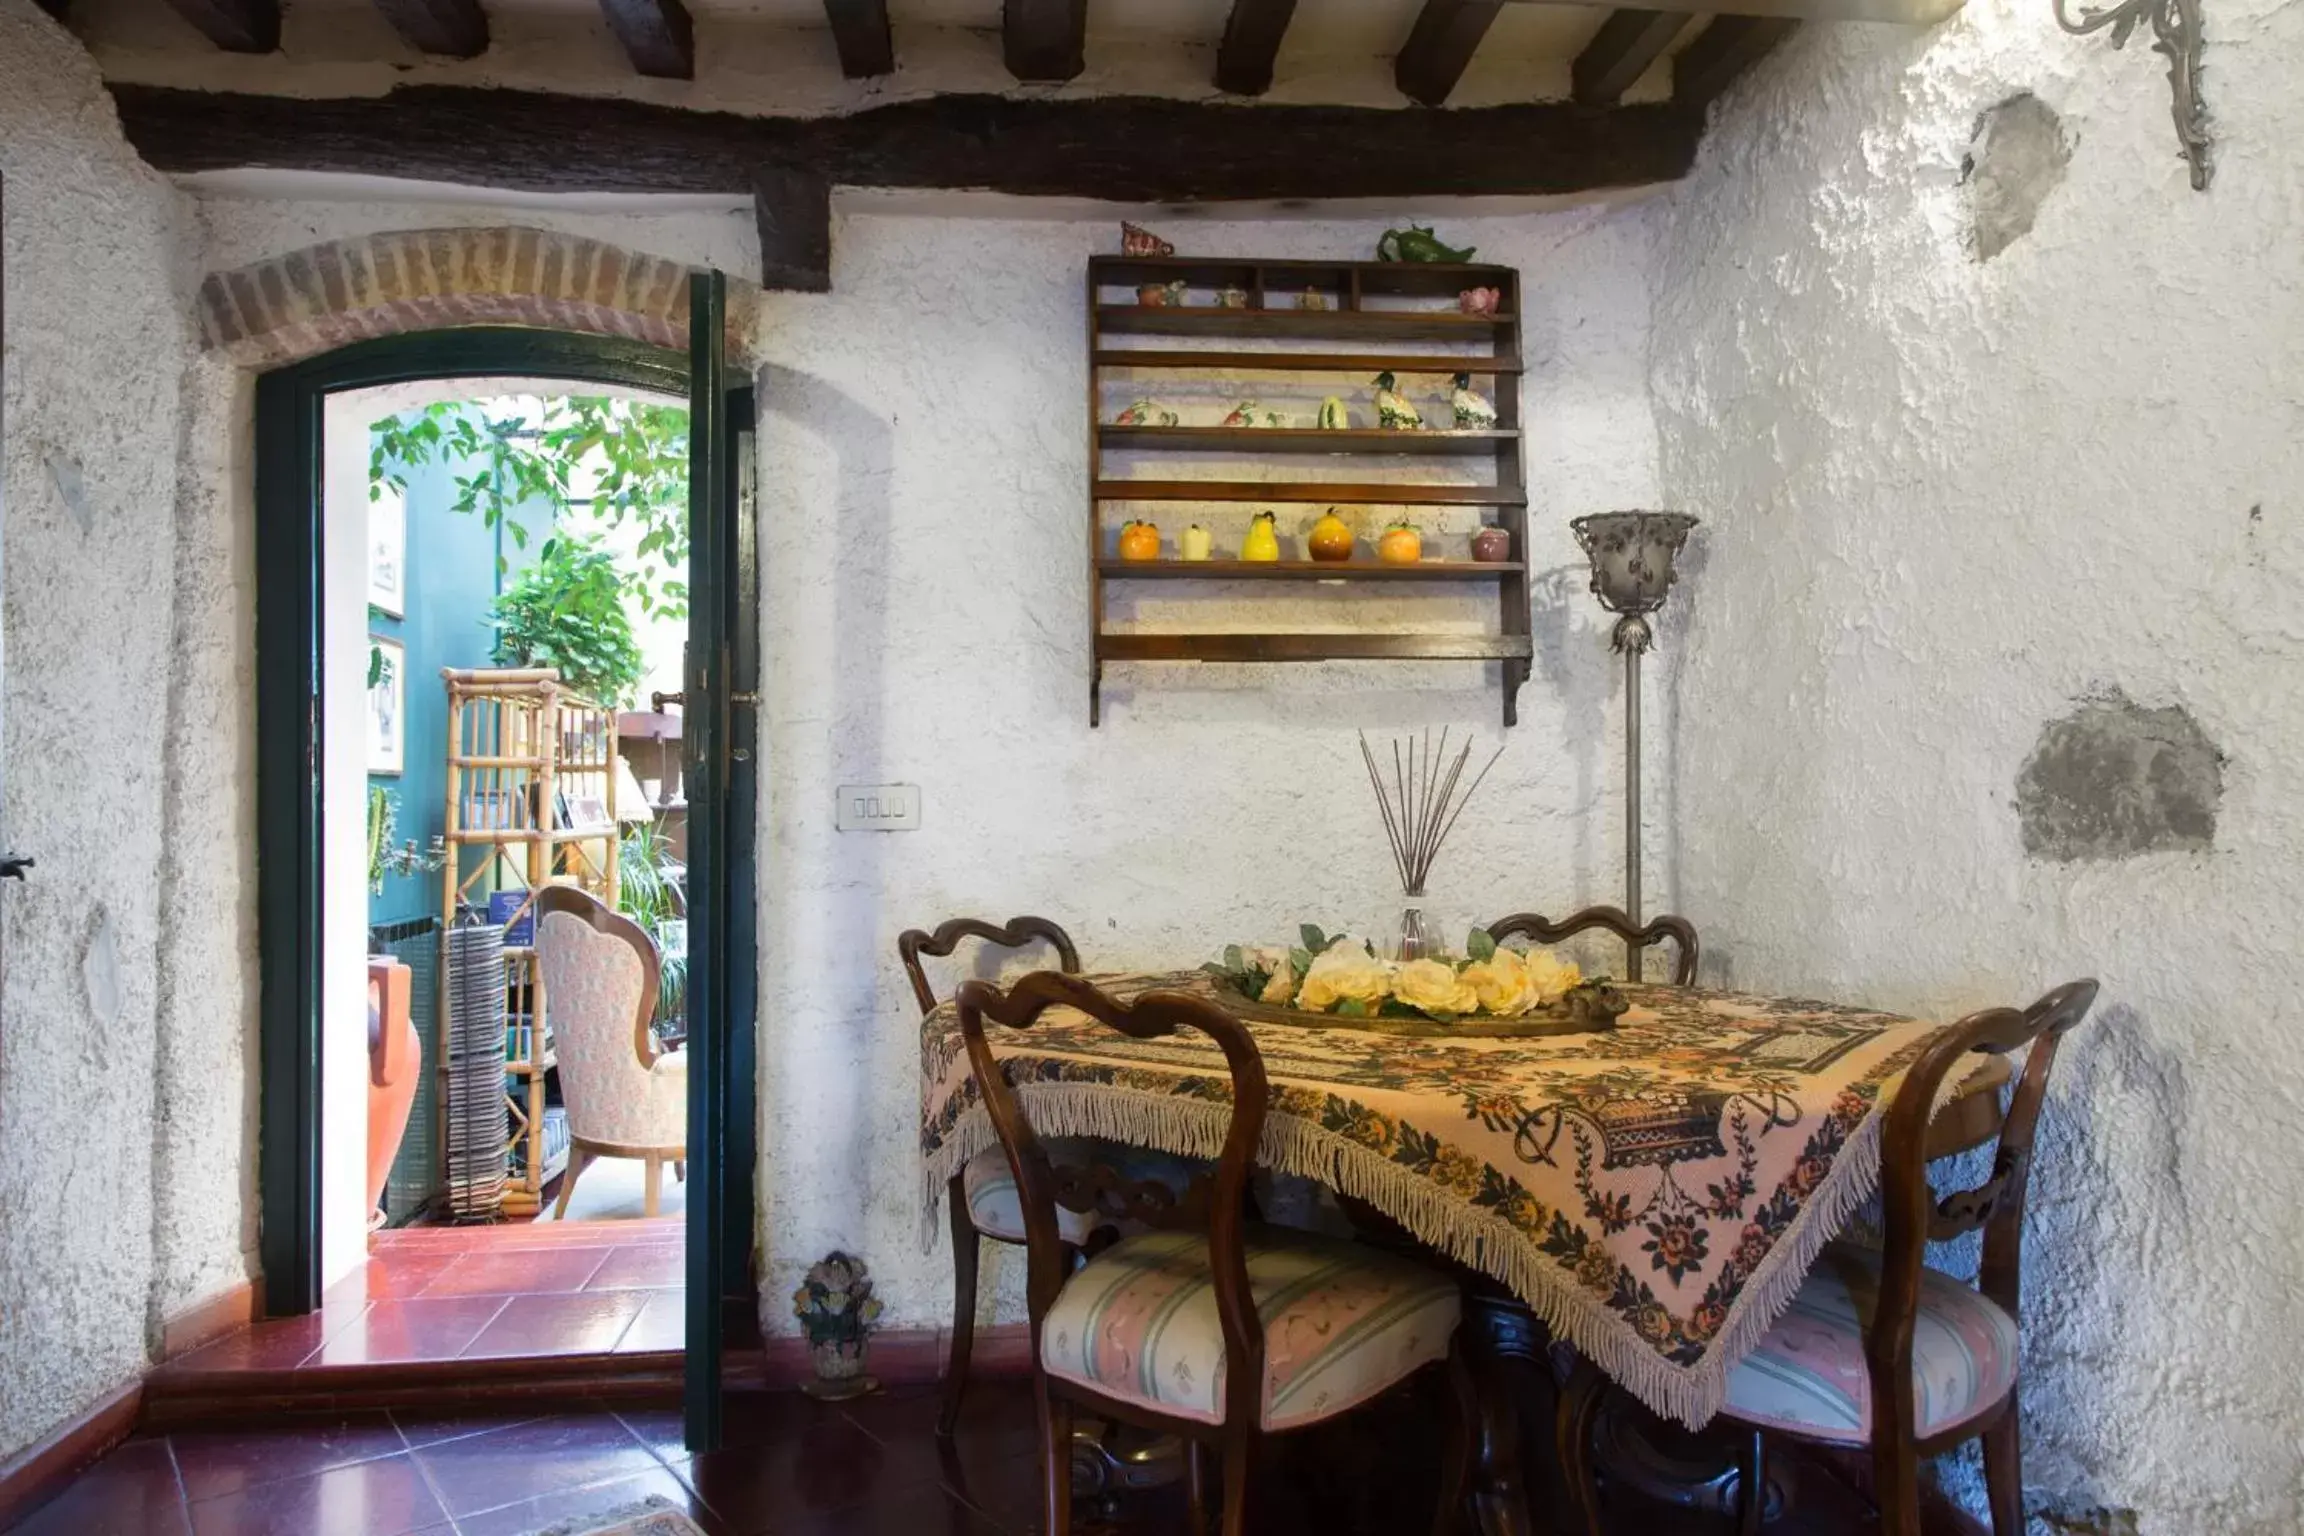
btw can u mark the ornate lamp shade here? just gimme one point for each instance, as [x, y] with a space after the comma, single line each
[1632, 555]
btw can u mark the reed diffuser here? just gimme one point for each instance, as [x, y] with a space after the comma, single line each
[1420, 806]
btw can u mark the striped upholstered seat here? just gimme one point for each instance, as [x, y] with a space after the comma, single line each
[998, 1211]
[1342, 1323]
[1808, 1376]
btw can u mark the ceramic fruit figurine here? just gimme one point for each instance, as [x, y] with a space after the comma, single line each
[1135, 241]
[1139, 541]
[1472, 408]
[1330, 538]
[1161, 295]
[1233, 297]
[1333, 415]
[1480, 301]
[1249, 414]
[1311, 298]
[1491, 545]
[1147, 413]
[1263, 541]
[1401, 545]
[1417, 243]
[1392, 407]
[1194, 545]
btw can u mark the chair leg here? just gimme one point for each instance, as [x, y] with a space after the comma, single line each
[652, 1192]
[964, 1246]
[1896, 1486]
[1055, 1458]
[2004, 1473]
[577, 1158]
[1572, 1421]
[1239, 1456]
[1752, 1484]
[1196, 1489]
[1463, 1443]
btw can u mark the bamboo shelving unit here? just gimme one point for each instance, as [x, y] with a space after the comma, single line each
[520, 747]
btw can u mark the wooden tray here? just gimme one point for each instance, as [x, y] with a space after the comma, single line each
[1587, 1010]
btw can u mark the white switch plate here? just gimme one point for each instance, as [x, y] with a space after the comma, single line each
[877, 808]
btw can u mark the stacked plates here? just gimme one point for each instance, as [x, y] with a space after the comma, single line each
[477, 1117]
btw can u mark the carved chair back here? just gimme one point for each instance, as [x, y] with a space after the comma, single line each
[599, 970]
[1914, 1217]
[1213, 1207]
[911, 944]
[1616, 920]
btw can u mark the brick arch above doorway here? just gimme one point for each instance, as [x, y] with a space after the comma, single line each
[286, 308]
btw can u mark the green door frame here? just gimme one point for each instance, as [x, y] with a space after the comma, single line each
[290, 409]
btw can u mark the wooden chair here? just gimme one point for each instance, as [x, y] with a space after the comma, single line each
[1616, 920]
[1878, 1350]
[1251, 1338]
[625, 1097]
[982, 1199]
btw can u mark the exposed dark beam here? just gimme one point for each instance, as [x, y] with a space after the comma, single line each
[56, 8]
[1126, 149]
[1446, 34]
[656, 34]
[455, 29]
[1715, 56]
[236, 26]
[860, 31]
[1251, 42]
[794, 210]
[1621, 51]
[1044, 39]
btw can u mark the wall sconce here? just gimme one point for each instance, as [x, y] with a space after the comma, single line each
[1632, 570]
[2175, 36]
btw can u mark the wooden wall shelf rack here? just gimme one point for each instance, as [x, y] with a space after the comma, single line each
[1392, 314]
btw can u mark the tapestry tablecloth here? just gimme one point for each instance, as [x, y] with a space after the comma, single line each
[1655, 1193]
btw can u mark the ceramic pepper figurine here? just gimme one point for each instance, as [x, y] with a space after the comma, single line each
[1418, 243]
[1263, 541]
[1147, 413]
[1472, 408]
[1392, 407]
[1249, 414]
[1195, 543]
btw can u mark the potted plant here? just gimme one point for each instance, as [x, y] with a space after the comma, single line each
[837, 1311]
[567, 612]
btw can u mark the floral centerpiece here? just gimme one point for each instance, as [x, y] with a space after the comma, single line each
[837, 1311]
[1346, 977]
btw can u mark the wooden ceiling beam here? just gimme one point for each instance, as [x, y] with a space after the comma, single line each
[1908, 13]
[794, 211]
[1252, 38]
[1621, 51]
[1715, 56]
[452, 29]
[1446, 35]
[860, 31]
[657, 36]
[1044, 40]
[236, 26]
[1118, 148]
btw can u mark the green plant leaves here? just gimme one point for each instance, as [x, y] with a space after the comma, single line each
[1314, 939]
[1478, 946]
[567, 611]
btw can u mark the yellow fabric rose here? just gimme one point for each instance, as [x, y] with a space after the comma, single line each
[1433, 986]
[1502, 983]
[1344, 973]
[1552, 977]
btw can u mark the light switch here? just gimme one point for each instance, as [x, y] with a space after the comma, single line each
[877, 808]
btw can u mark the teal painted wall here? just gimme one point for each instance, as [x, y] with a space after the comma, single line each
[452, 579]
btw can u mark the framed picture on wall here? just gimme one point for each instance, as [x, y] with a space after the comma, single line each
[387, 704]
[387, 550]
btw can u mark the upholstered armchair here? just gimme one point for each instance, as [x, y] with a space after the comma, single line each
[625, 1097]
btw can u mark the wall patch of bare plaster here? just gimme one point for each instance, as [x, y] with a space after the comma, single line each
[2016, 160]
[2113, 779]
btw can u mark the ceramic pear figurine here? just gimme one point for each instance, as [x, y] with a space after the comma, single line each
[1392, 407]
[1472, 408]
[1330, 539]
[1263, 541]
[1418, 243]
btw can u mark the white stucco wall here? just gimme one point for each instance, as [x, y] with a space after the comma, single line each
[1946, 498]
[98, 337]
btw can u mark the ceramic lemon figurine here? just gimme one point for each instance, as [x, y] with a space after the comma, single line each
[1393, 409]
[1472, 408]
[1263, 541]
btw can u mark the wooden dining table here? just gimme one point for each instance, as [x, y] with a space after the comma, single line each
[1651, 1194]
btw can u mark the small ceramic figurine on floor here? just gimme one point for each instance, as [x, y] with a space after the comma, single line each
[1263, 541]
[1473, 409]
[1249, 414]
[1147, 413]
[1136, 241]
[1334, 415]
[1392, 407]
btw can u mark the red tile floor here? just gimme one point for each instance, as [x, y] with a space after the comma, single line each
[447, 1293]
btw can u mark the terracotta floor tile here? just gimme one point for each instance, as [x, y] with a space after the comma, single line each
[132, 1492]
[521, 1272]
[228, 1460]
[594, 1502]
[641, 1266]
[581, 1324]
[659, 1429]
[390, 1276]
[388, 1497]
[920, 1512]
[828, 1466]
[526, 1461]
[277, 1344]
[422, 1427]
[425, 1328]
[662, 1322]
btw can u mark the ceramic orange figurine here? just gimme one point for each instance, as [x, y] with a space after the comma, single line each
[1139, 541]
[1402, 544]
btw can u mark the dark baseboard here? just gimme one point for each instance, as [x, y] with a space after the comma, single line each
[35, 1474]
[174, 1396]
[204, 1322]
[902, 1357]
